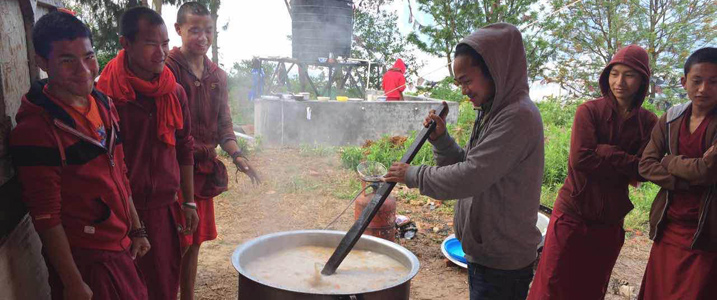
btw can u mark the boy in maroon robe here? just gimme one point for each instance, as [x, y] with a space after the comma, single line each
[206, 87]
[609, 134]
[154, 117]
[681, 159]
[69, 155]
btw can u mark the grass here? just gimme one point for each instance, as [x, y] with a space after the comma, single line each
[316, 150]
[346, 189]
[642, 197]
[300, 184]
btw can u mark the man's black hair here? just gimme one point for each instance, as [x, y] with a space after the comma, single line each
[256, 63]
[194, 8]
[704, 55]
[465, 50]
[129, 22]
[57, 26]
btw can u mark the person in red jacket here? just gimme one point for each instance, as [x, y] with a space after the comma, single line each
[206, 87]
[155, 118]
[682, 159]
[394, 81]
[70, 161]
[609, 134]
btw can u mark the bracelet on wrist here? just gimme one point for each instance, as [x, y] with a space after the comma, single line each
[138, 233]
[236, 154]
[192, 205]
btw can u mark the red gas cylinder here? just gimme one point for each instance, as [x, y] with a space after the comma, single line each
[383, 224]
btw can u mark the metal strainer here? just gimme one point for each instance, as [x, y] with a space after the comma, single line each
[371, 171]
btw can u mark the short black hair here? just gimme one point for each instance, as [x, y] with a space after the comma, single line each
[57, 26]
[478, 61]
[256, 63]
[194, 8]
[129, 22]
[704, 55]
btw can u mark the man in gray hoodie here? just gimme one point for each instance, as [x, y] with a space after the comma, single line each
[498, 175]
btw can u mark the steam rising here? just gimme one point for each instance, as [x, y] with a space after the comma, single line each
[320, 27]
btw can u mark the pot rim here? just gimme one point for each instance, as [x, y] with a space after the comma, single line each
[415, 264]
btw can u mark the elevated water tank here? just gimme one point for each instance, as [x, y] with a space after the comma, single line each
[320, 27]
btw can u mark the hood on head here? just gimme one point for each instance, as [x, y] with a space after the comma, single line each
[400, 65]
[501, 46]
[634, 57]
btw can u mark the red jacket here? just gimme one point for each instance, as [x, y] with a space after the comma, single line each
[153, 165]
[69, 178]
[605, 150]
[211, 117]
[394, 83]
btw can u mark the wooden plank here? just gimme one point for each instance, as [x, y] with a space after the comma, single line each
[311, 82]
[342, 84]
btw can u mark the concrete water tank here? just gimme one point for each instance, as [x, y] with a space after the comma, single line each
[320, 27]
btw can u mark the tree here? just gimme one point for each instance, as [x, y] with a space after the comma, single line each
[593, 30]
[452, 21]
[102, 16]
[455, 19]
[376, 38]
[675, 29]
[214, 12]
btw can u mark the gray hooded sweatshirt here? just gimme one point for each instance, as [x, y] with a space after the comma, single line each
[498, 176]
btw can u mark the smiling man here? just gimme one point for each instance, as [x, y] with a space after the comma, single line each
[208, 96]
[498, 175]
[70, 162]
[155, 120]
[682, 159]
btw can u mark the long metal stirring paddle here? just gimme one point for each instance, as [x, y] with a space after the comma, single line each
[353, 235]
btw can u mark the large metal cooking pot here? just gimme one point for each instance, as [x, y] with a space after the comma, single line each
[251, 288]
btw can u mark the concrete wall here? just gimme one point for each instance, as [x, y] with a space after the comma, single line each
[14, 75]
[332, 123]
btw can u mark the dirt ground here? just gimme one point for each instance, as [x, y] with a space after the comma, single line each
[305, 190]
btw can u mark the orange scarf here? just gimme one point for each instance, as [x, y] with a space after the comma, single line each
[118, 82]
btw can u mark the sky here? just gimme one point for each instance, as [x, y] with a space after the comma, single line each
[261, 28]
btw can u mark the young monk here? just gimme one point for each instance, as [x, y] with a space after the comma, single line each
[609, 134]
[69, 156]
[681, 158]
[497, 176]
[155, 120]
[206, 87]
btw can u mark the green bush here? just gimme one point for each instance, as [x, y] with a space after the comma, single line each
[549, 193]
[351, 157]
[558, 112]
[641, 198]
[557, 148]
[447, 90]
